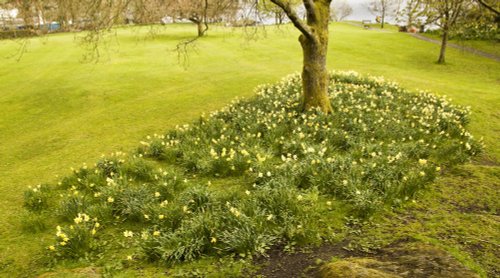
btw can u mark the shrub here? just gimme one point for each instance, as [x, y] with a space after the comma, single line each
[477, 31]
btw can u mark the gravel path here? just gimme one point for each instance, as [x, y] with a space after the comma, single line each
[460, 47]
[452, 45]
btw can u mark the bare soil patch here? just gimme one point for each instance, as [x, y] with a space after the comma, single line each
[402, 259]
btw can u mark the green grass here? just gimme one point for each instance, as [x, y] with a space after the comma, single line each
[56, 112]
[459, 215]
[492, 47]
[486, 46]
[278, 200]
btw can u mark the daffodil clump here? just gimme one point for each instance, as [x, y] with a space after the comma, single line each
[76, 240]
[379, 146]
[293, 171]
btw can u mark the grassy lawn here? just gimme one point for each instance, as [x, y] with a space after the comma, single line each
[56, 112]
[486, 46]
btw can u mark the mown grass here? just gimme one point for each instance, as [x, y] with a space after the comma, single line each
[487, 46]
[57, 112]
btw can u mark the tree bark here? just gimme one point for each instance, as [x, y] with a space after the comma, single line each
[315, 75]
[444, 43]
[314, 42]
[201, 29]
[315, 78]
[278, 18]
[383, 16]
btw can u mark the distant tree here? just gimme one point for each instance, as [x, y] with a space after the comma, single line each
[6, 15]
[446, 14]
[413, 12]
[340, 10]
[202, 12]
[67, 14]
[314, 42]
[267, 8]
[26, 11]
[383, 8]
[102, 15]
[99, 14]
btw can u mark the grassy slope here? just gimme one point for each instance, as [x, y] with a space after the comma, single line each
[486, 46]
[56, 112]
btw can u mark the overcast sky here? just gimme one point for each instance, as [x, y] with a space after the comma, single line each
[360, 11]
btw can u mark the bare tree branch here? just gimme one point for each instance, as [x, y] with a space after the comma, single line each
[311, 12]
[484, 4]
[183, 49]
[297, 22]
[22, 48]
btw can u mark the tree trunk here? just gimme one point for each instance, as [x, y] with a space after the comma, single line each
[444, 43]
[315, 75]
[383, 19]
[410, 21]
[201, 32]
[201, 26]
[314, 42]
[281, 17]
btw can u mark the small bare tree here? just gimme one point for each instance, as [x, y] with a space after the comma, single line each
[340, 10]
[202, 12]
[383, 8]
[267, 8]
[446, 13]
[412, 12]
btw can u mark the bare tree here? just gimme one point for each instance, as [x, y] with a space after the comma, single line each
[413, 11]
[267, 8]
[340, 10]
[446, 13]
[383, 8]
[202, 12]
[26, 11]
